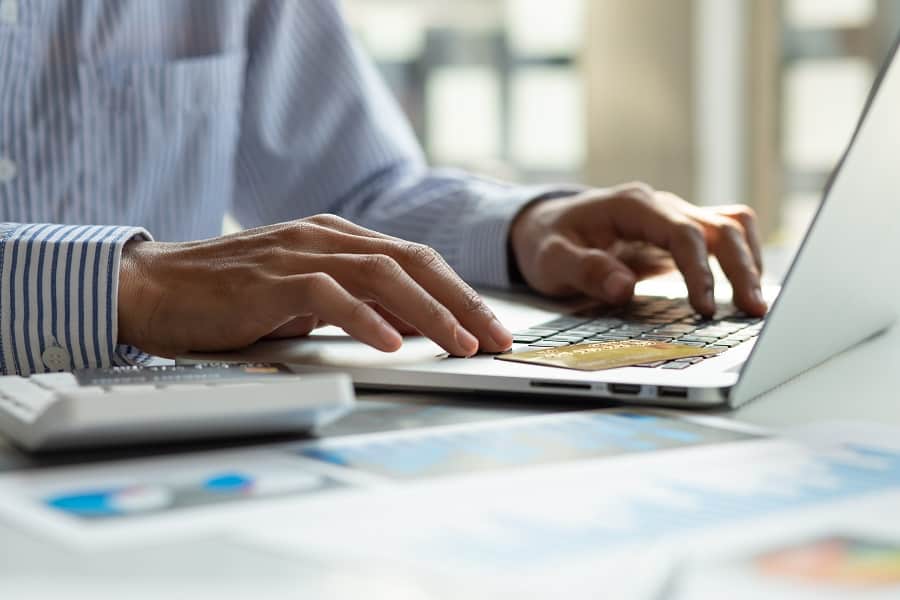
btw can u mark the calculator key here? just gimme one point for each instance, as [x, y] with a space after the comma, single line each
[55, 381]
[132, 389]
[14, 387]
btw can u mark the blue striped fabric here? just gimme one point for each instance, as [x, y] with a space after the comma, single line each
[121, 117]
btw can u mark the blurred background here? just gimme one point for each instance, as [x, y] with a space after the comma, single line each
[720, 101]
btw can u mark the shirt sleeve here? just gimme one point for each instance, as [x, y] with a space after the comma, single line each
[58, 296]
[322, 134]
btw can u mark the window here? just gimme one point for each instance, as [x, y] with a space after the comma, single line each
[721, 101]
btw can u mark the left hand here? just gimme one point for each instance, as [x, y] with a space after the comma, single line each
[601, 242]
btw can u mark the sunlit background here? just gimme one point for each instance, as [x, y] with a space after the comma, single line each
[720, 101]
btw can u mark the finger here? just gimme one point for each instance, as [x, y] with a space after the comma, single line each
[744, 215]
[428, 268]
[433, 273]
[637, 214]
[320, 295]
[399, 324]
[379, 278]
[645, 260]
[747, 218]
[587, 270]
[298, 327]
[729, 243]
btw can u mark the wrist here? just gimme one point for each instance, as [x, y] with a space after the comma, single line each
[133, 292]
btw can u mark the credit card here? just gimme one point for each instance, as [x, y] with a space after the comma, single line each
[599, 356]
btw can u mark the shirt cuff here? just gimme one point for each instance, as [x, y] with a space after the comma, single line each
[59, 295]
[484, 252]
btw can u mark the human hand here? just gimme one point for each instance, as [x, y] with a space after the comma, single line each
[284, 280]
[601, 242]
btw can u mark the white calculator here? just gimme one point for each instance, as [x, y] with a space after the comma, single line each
[128, 405]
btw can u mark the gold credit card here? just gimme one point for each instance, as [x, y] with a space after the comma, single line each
[599, 356]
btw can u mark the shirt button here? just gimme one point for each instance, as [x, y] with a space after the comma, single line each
[9, 12]
[56, 359]
[7, 170]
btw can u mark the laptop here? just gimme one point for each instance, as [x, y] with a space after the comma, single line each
[841, 289]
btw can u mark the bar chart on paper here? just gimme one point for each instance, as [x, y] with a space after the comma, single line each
[517, 442]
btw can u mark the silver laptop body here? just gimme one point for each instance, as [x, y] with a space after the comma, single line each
[842, 288]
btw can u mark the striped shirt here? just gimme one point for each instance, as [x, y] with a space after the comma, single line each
[139, 118]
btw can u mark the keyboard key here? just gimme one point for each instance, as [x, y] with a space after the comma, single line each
[604, 323]
[526, 339]
[652, 365]
[676, 366]
[712, 332]
[733, 325]
[538, 331]
[633, 328]
[657, 320]
[691, 361]
[584, 332]
[700, 339]
[680, 329]
[565, 323]
[655, 338]
[569, 339]
[726, 344]
[546, 344]
[692, 344]
[742, 337]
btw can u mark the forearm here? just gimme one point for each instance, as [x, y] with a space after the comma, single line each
[58, 296]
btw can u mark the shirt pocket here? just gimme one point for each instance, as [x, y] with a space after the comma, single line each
[193, 85]
[160, 139]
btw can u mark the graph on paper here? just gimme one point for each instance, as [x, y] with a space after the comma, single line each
[519, 528]
[519, 442]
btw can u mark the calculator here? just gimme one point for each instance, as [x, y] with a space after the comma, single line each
[129, 405]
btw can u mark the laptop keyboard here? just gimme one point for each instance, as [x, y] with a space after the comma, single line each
[646, 318]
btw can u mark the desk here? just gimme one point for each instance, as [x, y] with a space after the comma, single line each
[856, 385]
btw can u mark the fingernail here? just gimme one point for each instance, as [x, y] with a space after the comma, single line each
[389, 335]
[617, 285]
[466, 341]
[500, 334]
[758, 298]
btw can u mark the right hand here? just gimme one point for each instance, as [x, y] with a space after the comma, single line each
[283, 280]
